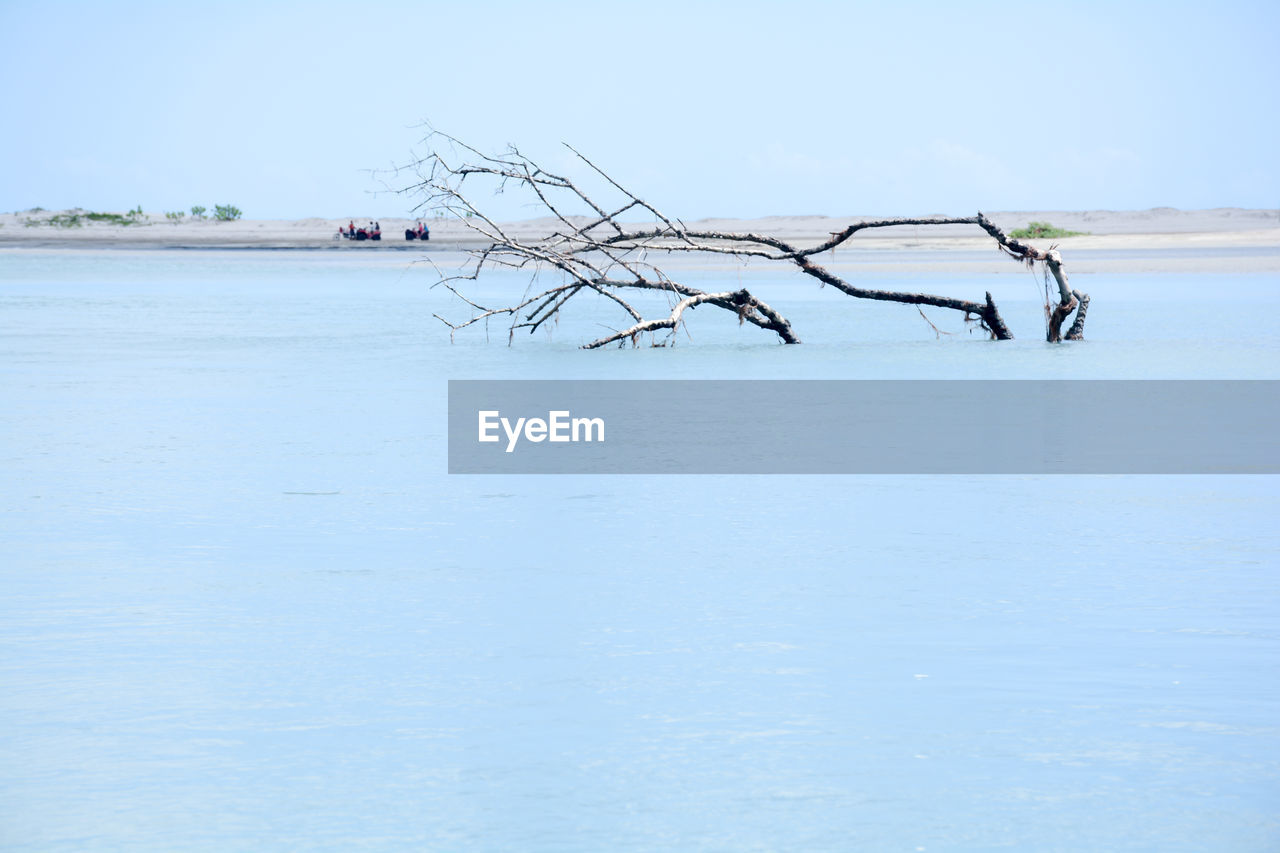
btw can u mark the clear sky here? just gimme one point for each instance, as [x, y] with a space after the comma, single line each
[705, 109]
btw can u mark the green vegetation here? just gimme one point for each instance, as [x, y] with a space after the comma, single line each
[1042, 231]
[77, 218]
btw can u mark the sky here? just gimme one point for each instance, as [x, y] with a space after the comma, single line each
[291, 110]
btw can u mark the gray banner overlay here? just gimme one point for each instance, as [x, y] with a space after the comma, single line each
[864, 427]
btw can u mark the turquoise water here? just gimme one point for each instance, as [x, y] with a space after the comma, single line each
[245, 608]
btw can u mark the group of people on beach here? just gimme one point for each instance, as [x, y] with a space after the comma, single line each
[373, 231]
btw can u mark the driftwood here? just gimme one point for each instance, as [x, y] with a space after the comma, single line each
[606, 256]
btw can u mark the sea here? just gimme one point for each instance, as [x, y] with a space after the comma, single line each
[245, 607]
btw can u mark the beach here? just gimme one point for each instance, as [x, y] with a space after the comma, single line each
[1156, 240]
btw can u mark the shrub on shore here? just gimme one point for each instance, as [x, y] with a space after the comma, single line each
[78, 217]
[1042, 231]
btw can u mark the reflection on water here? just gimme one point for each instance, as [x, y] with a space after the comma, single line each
[246, 609]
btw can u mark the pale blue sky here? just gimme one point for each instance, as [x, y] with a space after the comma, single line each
[706, 109]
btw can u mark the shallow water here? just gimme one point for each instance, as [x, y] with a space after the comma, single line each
[245, 608]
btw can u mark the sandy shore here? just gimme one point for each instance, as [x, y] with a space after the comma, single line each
[1224, 239]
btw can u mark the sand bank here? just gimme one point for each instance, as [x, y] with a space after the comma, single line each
[1162, 239]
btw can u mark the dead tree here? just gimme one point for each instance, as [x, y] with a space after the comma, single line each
[599, 253]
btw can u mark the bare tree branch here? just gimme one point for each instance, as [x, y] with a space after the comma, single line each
[740, 299]
[599, 253]
[1068, 300]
